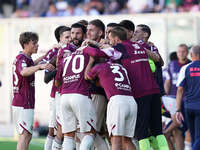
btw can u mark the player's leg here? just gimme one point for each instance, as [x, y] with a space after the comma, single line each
[179, 139]
[130, 123]
[23, 120]
[50, 136]
[116, 142]
[100, 104]
[155, 122]
[187, 141]
[69, 121]
[58, 140]
[142, 123]
[85, 112]
[196, 145]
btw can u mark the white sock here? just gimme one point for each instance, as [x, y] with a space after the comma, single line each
[48, 142]
[57, 144]
[78, 143]
[87, 142]
[188, 145]
[68, 143]
[99, 143]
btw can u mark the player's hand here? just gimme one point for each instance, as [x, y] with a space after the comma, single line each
[58, 46]
[88, 41]
[81, 48]
[150, 43]
[104, 46]
[47, 66]
[179, 117]
[134, 39]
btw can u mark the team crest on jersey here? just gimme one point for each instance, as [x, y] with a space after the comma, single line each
[24, 65]
[136, 46]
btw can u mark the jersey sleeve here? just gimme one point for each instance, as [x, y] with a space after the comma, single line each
[181, 78]
[94, 72]
[95, 52]
[21, 65]
[59, 72]
[53, 52]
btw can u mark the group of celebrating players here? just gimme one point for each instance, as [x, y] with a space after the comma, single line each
[101, 86]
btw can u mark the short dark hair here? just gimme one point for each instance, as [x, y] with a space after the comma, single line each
[145, 28]
[79, 25]
[56, 33]
[99, 24]
[120, 32]
[127, 24]
[112, 24]
[26, 37]
[173, 56]
[63, 29]
[83, 22]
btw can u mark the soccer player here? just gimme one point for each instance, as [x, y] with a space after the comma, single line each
[75, 104]
[24, 87]
[52, 118]
[96, 32]
[65, 39]
[122, 108]
[189, 80]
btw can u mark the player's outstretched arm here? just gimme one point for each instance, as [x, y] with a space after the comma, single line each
[154, 56]
[31, 70]
[88, 68]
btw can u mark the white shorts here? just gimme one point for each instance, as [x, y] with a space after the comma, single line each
[52, 115]
[170, 104]
[58, 113]
[23, 119]
[100, 104]
[121, 116]
[77, 107]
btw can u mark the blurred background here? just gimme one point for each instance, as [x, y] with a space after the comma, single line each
[172, 23]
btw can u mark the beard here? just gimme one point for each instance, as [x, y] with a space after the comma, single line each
[78, 42]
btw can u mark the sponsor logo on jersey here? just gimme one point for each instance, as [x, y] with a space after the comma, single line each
[123, 86]
[71, 78]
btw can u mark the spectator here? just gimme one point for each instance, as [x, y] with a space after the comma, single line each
[61, 6]
[21, 3]
[73, 11]
[88, 10]
[135, 6]
[52, 11]
[158, 5]
[116, 7]
[186, 5]
[38, 8]
[171, 6]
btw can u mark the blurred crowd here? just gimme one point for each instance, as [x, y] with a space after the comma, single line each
[62, 8]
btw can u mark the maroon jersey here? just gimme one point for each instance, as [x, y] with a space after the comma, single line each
[23, 87]
[113, 78]
[65, 48]
[71, 73]
[51, 53]
[149, 47]
[134, 58]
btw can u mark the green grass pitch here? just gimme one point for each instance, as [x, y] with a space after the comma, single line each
[8, 143]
